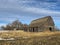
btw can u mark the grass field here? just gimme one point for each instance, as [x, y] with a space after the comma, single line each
[30, 38]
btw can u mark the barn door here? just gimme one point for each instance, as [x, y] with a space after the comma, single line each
[50, 28]
[33, 30]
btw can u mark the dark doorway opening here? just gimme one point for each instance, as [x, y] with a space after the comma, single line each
[33, 29]
[50, 28]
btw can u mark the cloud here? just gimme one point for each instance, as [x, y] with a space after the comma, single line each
[19, 10]
[27, 10]
[19, 5]
[1, 24]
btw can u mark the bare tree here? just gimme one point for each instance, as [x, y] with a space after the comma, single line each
[18, 25]
[25, 27]
[15, 24]
[3, 27]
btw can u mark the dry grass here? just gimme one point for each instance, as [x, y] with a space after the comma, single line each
[25, 34]
[30, 38]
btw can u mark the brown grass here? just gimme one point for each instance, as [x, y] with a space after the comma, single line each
[25, 34]
[30, 38]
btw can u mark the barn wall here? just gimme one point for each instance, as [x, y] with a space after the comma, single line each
[43, 24]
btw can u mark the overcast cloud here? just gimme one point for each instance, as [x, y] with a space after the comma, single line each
[28, 10]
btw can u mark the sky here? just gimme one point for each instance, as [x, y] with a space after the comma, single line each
[28, 10]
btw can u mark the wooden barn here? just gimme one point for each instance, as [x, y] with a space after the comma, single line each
[42, 24]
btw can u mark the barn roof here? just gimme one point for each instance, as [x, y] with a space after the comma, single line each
[40, 21]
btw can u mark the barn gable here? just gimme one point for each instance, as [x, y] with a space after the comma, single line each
[42, 24]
